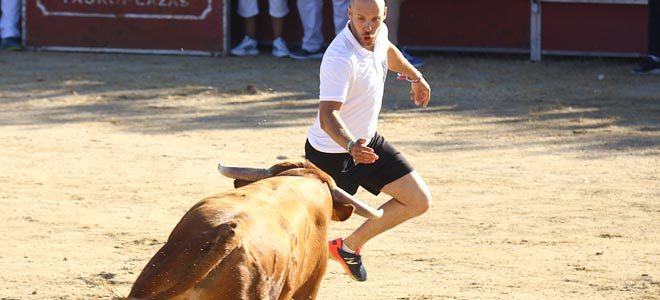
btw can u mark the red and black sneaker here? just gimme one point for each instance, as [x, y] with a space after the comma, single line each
[352, 263]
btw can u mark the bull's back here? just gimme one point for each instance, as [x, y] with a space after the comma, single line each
[279, 203]
[253, 242]
[287, 229]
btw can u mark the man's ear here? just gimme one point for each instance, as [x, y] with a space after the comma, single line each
[341, 212]
[239, 183]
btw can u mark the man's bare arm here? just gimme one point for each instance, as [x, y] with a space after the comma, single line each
[398, 63]
[334, 126]
[420, 89]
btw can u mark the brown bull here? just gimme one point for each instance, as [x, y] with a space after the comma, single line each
[264, 240]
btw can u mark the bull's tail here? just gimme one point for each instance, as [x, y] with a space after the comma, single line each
[216, 246]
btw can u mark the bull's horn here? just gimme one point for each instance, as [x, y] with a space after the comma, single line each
[361, 208]
[244, 173]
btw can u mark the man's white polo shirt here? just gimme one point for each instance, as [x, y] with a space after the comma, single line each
[354, 76]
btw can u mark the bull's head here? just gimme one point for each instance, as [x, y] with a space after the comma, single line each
[343, 203]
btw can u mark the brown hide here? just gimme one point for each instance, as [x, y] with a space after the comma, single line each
[265, 240]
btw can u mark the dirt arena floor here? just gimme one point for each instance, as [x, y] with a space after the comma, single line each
[545, 176]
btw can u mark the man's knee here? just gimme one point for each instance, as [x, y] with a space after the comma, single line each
[412, 192]
[417, 203]
[420, 203]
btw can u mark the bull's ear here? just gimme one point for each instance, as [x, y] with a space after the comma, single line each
[341, 212]
[239, 183]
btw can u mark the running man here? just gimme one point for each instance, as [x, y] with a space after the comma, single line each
[343, 140]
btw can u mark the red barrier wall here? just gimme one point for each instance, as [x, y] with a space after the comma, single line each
[437, 23]
[465, 23]
[158, 26]
[199, 25]
[594, 27]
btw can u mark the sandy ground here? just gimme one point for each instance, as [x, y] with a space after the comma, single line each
[544, 175]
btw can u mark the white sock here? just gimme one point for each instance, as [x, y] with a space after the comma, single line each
[346, 249]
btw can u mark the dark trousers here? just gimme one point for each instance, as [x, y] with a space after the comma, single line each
[654, 27]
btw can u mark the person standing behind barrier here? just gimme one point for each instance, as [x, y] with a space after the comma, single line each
[311, 17]
[9, 21]
[651, 65]
[392, 21]
[249, 9]
[343, 140]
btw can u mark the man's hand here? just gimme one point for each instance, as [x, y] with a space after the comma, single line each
[362, 153]
[420, 92]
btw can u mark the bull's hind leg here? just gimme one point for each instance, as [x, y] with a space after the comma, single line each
[309, 290]
[183, 262]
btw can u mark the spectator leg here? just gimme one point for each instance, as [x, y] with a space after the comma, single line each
[312, 19]
[11, 12]
[340, 14]
[654, 28]
[392, 20]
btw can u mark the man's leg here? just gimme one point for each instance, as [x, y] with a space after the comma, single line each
[340, 14]
[392, 20]
[651, 64]
[11, 10]
[311, 18]
[278, 9]
[248, 10]
[654, 28]
[411, 197]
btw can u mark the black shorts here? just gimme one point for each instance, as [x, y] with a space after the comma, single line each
[390, 166]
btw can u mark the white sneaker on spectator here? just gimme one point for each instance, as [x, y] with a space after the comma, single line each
[247, 47]
[279, 48]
